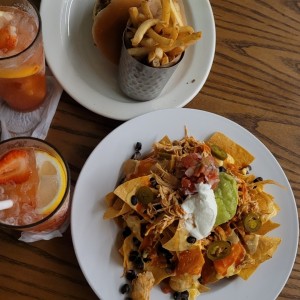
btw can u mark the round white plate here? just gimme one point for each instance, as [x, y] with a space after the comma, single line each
[94, 238]
[92, 80]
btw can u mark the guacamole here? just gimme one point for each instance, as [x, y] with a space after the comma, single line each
[226, 197]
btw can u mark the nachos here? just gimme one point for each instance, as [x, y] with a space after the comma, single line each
[191, 213]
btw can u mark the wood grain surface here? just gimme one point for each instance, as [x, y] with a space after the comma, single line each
[254, 81]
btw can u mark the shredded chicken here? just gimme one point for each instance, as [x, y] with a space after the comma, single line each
[142, 285]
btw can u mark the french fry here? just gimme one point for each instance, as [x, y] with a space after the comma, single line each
[191, 38]
[151, 56]
[159, 27]
[175, 15]
[155, 63]
[159, 39]
[164, 60]
[139, 51]
[146, 10]
[159, 53]
[148, 42]
[142, 29]
[176, 51]
[171, 32]
[166, 11]
[188, 29]
[133, 15]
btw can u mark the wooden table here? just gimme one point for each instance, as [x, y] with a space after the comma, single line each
[254, 81]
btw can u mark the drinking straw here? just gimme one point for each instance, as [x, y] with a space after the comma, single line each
[5, 204]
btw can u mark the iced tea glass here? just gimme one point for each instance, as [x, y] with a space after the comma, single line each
[22, 59]
[41, 197]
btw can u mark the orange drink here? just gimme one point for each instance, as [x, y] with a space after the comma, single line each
[22, 60]
[35, 179]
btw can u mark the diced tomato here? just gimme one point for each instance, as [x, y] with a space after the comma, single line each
[186, 183]
[190, 262]
[14, 166]
[198, 169]
[190, 160]
[235, 257]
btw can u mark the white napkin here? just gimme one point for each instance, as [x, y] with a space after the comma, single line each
[30, 237]
[35, 123]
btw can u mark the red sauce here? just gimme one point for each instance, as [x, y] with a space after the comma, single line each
[109, 25]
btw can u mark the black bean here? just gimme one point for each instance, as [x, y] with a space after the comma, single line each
[138, 146]
[184, 295]
[134, 200]
[125, 288]
[222, 169]
[126, 232]
[146, 259]
[191, 240]
[158, 206]
[171, 265]
[128, 298]
[166, 253]
[136, 242]
[257, 179]
[176, 295]
[130, 275]
[153, 182]
[138, 263]
[133, 255]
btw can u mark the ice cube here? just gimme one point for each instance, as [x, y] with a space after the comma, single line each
[11, 221]
[5, 18]
[27, 219]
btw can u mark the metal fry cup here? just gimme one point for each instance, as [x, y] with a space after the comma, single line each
[140, 81]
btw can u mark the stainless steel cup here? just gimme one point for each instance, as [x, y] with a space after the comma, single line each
[139, 81]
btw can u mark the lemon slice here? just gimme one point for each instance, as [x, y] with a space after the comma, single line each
[52, 182]
[20, 73]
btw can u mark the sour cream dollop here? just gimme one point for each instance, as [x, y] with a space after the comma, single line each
[200, 211]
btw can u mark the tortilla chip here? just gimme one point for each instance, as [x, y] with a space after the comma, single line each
[184, 282]
[159, 272]
[265, 250]
[267, 227]
[125, 250]
[241, 156]
[134, 223]
[190, 261]
[126, 190]
[116, 207]
[267, 207]
[179, 240]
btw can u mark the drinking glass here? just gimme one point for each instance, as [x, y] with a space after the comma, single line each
[25, 214]
[23, 85]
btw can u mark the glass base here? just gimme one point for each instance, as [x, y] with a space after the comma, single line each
[20, 123]
[35, 123]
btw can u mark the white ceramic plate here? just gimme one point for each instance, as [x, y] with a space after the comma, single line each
[94, 238]
[92, 80]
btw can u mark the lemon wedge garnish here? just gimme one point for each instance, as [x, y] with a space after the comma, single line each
[52, 182]
[20, 73]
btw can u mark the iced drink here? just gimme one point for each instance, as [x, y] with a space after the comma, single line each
[36, 178]
[22, 61]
